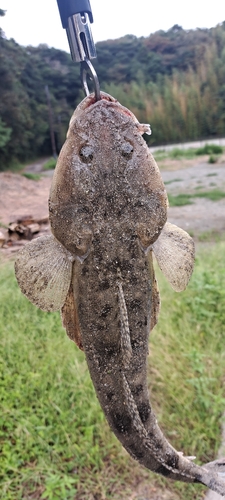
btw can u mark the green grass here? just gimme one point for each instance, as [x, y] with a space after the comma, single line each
[50, 164]
[209, 149]
[182, 153]
[213, 195]
[210, 235]
[182, 199]
[31, 176]
[54, 439]
[213, 150]
[172, 180]
[175, 153]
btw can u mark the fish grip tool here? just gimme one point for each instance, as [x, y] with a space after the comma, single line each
[76, 17]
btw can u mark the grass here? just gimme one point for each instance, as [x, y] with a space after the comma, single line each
[172, 180]
[31, 176]
[186, 199]
[210, 235]
[182, 153]
[50, 164]
[209, 149]
[174, 154]
[213, 195]
[54, 439]
[213, 150]
[180, 200]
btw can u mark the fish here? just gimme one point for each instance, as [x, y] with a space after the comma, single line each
[108, 215]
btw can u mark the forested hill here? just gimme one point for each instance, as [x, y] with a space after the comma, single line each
[174, 80]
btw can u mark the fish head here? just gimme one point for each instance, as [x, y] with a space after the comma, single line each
[105, 175]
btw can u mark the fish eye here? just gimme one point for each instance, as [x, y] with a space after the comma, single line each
[127, 149]
[86, 154]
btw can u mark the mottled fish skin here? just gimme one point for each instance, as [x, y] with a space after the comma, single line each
[108, 208]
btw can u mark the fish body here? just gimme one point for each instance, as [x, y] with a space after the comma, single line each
[108, 213]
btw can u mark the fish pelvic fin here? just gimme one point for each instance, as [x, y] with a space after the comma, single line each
[125, 343]
[43, 270]
[70, 320]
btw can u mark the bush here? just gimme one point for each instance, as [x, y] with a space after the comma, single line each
[209, 149]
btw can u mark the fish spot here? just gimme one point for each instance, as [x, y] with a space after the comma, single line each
[122, 423]
[84, 271]
[144, 411]
[172, 460]
[133, 279]
[137, 390]
[100, 327]
[135, 304]
[105, 311]
[110, 396]
[83, 209]
[104, 285]
[126, 265]
[163, 471]
[135, 452]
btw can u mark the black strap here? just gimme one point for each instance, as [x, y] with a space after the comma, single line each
[68, 8]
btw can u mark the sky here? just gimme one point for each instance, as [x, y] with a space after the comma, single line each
[32, 23]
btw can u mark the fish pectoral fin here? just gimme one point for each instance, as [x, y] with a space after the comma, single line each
[43, 270]
[174, 252]
[70, 321]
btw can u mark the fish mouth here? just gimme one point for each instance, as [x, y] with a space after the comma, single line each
[108, 100]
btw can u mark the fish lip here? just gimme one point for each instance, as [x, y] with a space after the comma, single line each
[90, 101]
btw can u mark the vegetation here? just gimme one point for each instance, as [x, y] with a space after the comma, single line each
[179, 200]
[209, 149]
[173, 79]
[31, 176]
[55, 441]
[50, 164]
[186, 198]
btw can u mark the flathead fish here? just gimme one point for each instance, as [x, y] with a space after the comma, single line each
[108, 214]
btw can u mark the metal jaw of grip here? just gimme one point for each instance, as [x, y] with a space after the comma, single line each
[82, 49]
[76, 16]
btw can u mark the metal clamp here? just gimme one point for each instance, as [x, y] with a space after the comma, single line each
[76, 16]
[85, 69]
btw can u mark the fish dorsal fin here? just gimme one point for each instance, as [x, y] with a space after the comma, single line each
[43, 270]
[174, 252]
[125, 344]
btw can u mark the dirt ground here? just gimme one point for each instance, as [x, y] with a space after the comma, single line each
[20, 197]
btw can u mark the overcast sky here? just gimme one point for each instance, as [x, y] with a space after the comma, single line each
[31, 23]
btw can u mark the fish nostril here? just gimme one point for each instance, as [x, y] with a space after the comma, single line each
[127, 150]
[86, 154]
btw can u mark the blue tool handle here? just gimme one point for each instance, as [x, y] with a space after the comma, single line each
[68, 8]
